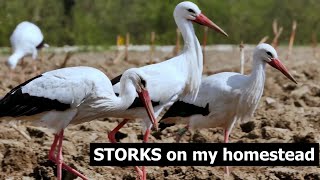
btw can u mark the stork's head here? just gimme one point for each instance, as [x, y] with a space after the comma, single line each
[191, 12]
[13, 60]
[269, 55]
[140, 84]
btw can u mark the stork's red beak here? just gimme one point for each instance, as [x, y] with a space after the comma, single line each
[145, 98]
[276, 63]
[203, 20]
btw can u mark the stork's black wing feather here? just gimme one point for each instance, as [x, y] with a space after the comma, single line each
[16, 103]
[116, 80]
[138, 103]
[183, 109]
[41, 45]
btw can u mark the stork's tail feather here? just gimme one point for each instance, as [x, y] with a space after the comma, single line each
[42, 45]
[3, 109]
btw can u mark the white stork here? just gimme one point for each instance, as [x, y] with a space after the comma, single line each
[26, 39]
[72, 95]
[225, 97]
[175, 78]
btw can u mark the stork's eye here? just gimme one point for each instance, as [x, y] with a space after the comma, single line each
[191, 10]
[269, 53]
[143, 82]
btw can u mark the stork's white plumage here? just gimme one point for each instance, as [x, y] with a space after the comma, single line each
[72, 95]
[26, 39]
[175, 78]
[227, 97]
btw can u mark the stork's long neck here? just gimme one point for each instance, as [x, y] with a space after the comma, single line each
[188, 34]
[253, 90]
[126, 96]
[193, 56]
[14, 59]
[257, 76]
[107, 104]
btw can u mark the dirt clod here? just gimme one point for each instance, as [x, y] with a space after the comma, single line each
[248, 127]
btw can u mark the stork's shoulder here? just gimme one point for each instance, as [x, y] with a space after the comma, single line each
[164, 68]
[78, 72]
[225, 81]
[28, 27]
[26, 33]
[19, 103]
[68, 85]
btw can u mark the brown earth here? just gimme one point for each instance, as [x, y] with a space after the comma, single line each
[292, 114]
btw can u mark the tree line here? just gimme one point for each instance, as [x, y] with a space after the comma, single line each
[98, 22]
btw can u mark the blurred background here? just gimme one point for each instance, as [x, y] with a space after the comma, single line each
[98, 22]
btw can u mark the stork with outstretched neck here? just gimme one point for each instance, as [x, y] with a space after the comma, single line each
[175, 78]
[225, 98]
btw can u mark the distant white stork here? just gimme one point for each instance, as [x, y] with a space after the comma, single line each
[26, 39]
[175, 78]
[225, 97]
[72, 95]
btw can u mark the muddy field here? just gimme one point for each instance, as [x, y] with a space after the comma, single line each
[286, 113]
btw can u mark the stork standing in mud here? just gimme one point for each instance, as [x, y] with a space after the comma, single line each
[26, 39]
[175, 78]
[72, 95]
[225, 98]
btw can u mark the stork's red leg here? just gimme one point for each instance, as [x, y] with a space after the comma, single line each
[112, 134]
[112, 139]
[59, 158]
[146, 136]
[53, 147]
[226, 140]
[145, 140]
[226, 136]
[53, 158]
[139, 172]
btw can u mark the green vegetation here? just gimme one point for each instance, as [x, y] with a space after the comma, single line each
[98, 22]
